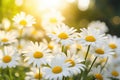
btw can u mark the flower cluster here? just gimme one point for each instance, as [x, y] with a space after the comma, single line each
[67, 55]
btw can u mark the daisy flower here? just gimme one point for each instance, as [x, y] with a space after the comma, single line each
[113, 72]
[75, 63]
[8, 37]
[91, 37]
[34, 74]
[51, 19]
[57, 68]
[101, 51]
[20, 45]
[36, 53]
[9, 57]
[23, 20]
[98, 75]
[54, 47]
[114, 43]
[63, 34]
[34, 33]
[101, 26]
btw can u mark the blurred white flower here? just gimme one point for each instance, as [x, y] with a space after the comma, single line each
[22, 20]
[51, 19]
[34, 74]
[8, 37]
[101, 26]
[9, 57]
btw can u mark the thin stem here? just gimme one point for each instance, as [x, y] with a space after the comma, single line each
[87, 53]
[85, 60]
[92, 63]
[10, 74]
[90, 68]
[39, 73]
[104, 65]
[64, 50]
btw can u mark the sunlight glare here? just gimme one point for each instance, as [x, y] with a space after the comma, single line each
[83, 4]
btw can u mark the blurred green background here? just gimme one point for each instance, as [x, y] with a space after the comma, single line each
[103, 10]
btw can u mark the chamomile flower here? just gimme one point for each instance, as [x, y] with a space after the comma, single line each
[101, 51]
[23, 20]
[34, 74]
[114, 43]
[36, 53]
[91, 37]
[51, 19]
[20, 45]
[34, 33]
[63, 34]
[98, 75]
[75, 61]
[8, 37]
[58, 68]
[101, 26]
[54, 47]
[113, 72]
[9, 57]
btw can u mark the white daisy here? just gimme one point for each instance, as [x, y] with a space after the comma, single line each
[63, 34]
[51, 19]
[101, 51]
[8, 37]
[91, 37]
[57, 68]
[114, 43]
[20, 45]
[32, 32]
[9, 57]
[34, 74]
[98, 75]
[113, 72]
[75, 61]
[23, 20]
[54, 47]
[36, 53]
[99, 26]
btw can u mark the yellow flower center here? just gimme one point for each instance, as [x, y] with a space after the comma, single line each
[4, 40]
[6, 59]
[57, 69]
[50, 46]
[38, 54]
[63, 35]
[115, 73]
[90, 38]
[99, 51]
[34, 32]
[79, 46]
[37, 76]
[113, 46]
[71, 62]
[23, 22]
[53, 20]
[19, 46]
[98, 76]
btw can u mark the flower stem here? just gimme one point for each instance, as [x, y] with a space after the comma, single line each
[92, 63]
[10, 74]
[87, 53]
[39, 73]
[104, 65]
[85, 60]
